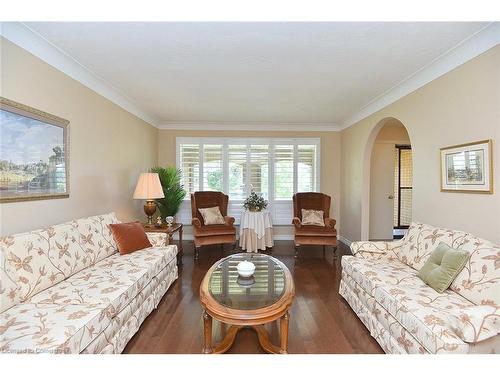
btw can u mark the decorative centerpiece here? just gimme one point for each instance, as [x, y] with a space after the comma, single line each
[255, 202]
[245, 268]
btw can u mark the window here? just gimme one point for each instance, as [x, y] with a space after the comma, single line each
[275, 168]
[212, 167]
[283, 171]
[190, 165]
[237, 158]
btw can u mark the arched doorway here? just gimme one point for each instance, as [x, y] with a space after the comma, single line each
[387, 181]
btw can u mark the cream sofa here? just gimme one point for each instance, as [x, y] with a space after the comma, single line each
[404, 315]
[66, 289]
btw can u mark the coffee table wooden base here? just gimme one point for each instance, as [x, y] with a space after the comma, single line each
[233, 330]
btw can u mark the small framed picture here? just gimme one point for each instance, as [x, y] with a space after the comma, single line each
[467, 168]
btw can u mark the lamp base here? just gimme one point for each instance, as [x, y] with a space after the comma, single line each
[149, 210]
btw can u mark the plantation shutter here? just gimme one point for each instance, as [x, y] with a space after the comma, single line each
[258, 169]
[283, 171]
[237, 160]
[189, 164]
[212, 167]
[306, 168]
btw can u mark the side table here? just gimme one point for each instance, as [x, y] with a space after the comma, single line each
[256, 231]
[169, 231]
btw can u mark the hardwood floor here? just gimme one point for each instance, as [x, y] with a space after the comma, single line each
[320, 320]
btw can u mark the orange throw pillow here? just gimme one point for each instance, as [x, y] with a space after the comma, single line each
[129, 237]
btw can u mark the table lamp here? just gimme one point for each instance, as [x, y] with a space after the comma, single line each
[149, 188]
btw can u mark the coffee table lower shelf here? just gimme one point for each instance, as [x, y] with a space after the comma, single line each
[233, 330]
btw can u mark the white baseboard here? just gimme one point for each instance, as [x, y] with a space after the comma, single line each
[345, 240]
[283, 237]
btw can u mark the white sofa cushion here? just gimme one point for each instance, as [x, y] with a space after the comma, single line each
[31, 328]
[422, 239]
[36, 260]
[114, 281]
[372, 273]
[95, 237]
[479, 281]
[425, 314]
[476, 323]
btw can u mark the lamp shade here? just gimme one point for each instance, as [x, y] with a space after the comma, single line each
[148, 187]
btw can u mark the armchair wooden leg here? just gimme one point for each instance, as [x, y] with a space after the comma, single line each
[196, 252]
[296, 251]
[221, 250]
[324, 247]
[234, 246]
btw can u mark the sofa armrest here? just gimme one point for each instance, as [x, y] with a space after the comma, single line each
[330, 223]
[476, 323]
[229, 220]
[157, 239]
[196, 222]
[296, 221]
[375, 249]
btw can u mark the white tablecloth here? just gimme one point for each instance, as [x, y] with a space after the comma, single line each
[256, 231]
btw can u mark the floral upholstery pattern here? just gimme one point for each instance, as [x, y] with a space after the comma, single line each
[422, 239]
[36, 260]
[95, 294]
[380, 282]
[477, 323]
[479, 281]
[376, 250]
[157, 239]
[115, 281]
[114, 338]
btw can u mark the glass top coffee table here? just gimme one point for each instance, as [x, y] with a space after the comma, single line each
[247, 302]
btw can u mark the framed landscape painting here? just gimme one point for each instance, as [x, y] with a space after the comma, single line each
[467, 168]
[33, 154]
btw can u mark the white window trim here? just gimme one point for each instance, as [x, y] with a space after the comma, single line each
[281, 210]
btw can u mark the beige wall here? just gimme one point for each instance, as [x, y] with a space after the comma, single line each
[109, 147]
[461, 106]
[330, 157]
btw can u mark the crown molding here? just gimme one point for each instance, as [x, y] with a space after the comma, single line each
[26, 38]
[478, 43]
[248, 126]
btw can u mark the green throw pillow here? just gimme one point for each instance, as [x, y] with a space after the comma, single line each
[442, 267]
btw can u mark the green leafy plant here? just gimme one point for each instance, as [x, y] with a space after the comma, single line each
[255, 202]
[170, 179]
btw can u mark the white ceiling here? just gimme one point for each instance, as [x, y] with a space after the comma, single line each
[318, 73]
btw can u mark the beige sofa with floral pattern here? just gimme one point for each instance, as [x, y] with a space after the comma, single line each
[66, 289]
[404, 315]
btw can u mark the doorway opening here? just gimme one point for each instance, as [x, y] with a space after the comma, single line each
[403, 189]
[390, 181]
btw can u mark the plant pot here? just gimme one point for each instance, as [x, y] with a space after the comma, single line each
[254, 209]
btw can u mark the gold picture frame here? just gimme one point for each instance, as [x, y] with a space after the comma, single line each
[467, 168]
[34, 160]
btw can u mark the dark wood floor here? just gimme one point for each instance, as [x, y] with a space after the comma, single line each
[320, 320]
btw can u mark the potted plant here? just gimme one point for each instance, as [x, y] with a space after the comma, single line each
[255, 202]
[170, 179]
